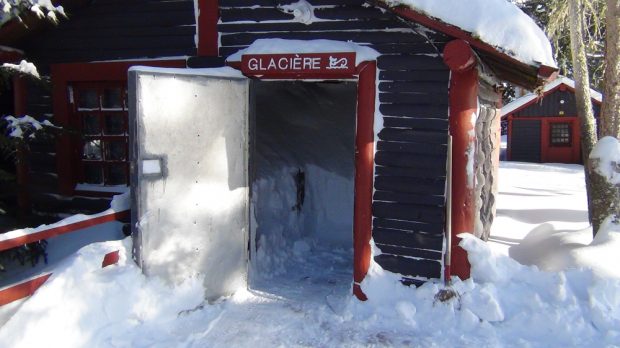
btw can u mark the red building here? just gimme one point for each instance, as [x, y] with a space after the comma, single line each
[427, 82]
[545, 128]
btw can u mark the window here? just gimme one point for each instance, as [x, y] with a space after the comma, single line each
[100, 114]
[560, 134]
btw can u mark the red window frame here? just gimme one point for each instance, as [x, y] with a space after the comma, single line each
[69, 145]
[560, 134]
[101, 133]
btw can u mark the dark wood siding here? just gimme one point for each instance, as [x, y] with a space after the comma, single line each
[112, 30]
[408, 202]
[103, 30]
[525, 141]
[557, 103]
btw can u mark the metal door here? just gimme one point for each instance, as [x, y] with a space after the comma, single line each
[189, 175]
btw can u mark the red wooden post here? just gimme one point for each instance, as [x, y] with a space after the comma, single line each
[364, 164]
[22, 170]
[208, 40]
[459, 57]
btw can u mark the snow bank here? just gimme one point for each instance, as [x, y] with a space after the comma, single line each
[18, 126]
[275, 46]
[607, 152]
[505, 304]
[83, 305]
[496, 22]
[23, 67]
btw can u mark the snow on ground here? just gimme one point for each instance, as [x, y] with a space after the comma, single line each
[505, 304]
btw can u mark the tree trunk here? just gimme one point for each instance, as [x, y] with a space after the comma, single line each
[610, 111]
[584, 107]
[606, 200]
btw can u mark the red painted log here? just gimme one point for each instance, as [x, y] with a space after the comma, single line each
[208, 15]
[364, 164]
[463, 106]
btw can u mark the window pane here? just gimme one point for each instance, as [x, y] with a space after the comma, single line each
[115, 151]
[117, 175]
[93, 174]
[88, 99]
[92, 150]
[561, 134]
[112, 98]
[90, 125]
[114, 124]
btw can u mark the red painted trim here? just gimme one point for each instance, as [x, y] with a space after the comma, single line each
[67, 147]
[110, 259]
[208, 36]
[11, 56]
[364, 174]
[463, 101]
[364, 162]
[29, 287]
[56, 231]
[544, 72]
[22, 290]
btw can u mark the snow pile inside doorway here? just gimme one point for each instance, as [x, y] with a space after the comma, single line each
[302, 191]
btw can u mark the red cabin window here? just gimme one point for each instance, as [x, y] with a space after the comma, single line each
[560, 134]
[100, 115]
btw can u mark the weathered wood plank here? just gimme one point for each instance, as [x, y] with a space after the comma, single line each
[355, 36]
[409, 212]
[415, 110]
[410, 226]
[410, 267]
[410, 62]
[410, 185]
[408, 239]
[412, 252]
[415, 75]
[410, 147]
[409, 198]
[414, 98]
[316, 26]
[413, 87]
[416, 123]
[410, 172]
[391, 134]
[397, 159]
[415, 48]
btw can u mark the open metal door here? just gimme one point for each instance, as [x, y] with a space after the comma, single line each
[189, 175]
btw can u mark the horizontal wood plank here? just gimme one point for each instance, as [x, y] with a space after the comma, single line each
[409, 212]
[409, 226]
[410, 267]
[411, 252]
[415, 240]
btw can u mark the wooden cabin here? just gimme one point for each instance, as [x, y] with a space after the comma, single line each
[423, 81]
[545, 128]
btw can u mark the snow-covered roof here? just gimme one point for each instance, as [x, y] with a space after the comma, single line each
[519, 102]
[498, 23]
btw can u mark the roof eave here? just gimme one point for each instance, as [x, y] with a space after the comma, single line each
[506, 67]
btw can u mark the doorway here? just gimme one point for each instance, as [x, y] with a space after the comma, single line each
[302, 187]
